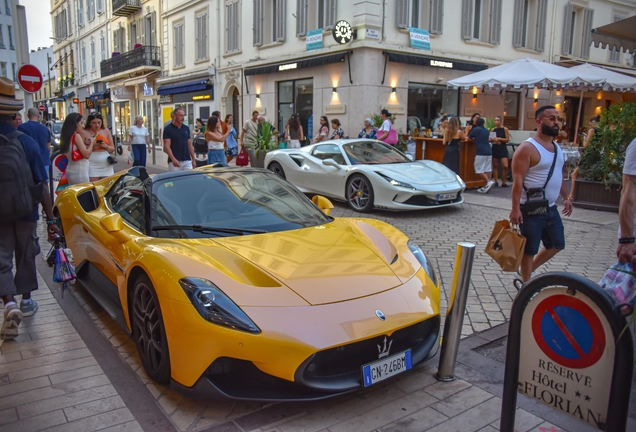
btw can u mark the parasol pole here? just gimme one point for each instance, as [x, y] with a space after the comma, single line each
[578, 118]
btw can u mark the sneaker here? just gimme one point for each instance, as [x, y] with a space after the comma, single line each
[12, 319]
[505, 185]
[496, 184]
[482, 190]
[28, 307]
[489, 186]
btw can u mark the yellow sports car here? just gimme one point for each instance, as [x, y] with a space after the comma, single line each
[232, 282]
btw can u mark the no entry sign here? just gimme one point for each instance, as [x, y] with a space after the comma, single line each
[30, 78]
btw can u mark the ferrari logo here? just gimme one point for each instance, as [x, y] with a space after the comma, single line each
[383, 351]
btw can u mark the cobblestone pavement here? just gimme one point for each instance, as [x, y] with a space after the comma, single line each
[415, 401]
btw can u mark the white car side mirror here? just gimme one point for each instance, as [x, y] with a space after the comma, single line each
[331, 163]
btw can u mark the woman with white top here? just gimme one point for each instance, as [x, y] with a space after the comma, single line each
[139, 139]
[70, 140]
[323, 130]
[98, 165]
[384, 130]
[215, 138]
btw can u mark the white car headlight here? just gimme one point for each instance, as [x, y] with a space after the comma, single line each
[396, 182]
[460, 181]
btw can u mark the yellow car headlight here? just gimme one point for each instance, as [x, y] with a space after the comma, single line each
[426, 264]
[216, 307]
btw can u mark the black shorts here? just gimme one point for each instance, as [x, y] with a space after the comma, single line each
[499, 151]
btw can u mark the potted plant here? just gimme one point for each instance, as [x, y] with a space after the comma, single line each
[71, 79]
[601, 165]
[257, 147]
[60, 83]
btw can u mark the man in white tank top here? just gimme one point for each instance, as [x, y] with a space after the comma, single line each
[530, 166]
[627, 209]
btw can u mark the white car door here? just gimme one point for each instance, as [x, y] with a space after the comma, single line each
[325, 178]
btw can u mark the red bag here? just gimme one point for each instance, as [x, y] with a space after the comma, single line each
[75, 155]
[242, 159]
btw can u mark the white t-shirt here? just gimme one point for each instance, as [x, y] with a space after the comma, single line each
[629, 168]
[386, 126]
[139, 134]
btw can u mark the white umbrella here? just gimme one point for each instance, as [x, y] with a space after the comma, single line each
[528, 73]
[614, 81]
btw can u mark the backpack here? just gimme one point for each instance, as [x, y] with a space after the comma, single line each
[18, 192]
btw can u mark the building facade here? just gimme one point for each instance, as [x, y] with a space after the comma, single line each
[43, 59]
[8, 59]
[64, 25]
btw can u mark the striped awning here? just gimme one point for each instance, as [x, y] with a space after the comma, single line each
[619, 35]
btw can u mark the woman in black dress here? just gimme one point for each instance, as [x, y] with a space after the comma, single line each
[452, 136]
[500, 151]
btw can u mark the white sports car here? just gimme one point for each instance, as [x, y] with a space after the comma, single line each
[367, 174]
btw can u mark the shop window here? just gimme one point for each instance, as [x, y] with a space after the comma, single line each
[577, 36]
[424, 14]
[232, 17]
[201, 47]
[614, 54]
[428, 103]
[295, 97]
[177, 41]
[530, 18]
[315, 14]
[481, 20]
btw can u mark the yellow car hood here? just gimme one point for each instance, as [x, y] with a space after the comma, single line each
[330, 263]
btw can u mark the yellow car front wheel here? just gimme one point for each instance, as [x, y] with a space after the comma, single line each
[149, 332]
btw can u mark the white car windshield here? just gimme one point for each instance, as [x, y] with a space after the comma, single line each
[373, 152]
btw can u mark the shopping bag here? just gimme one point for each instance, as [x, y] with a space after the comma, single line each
[506, 246]
[242, 159]
[619, 283]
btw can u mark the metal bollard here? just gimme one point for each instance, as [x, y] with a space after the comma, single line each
[455, 312]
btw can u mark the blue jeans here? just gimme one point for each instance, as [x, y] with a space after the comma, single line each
[139, 150]
[216, 156]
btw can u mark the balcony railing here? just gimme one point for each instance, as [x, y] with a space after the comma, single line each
[126, 7]
[141, 56]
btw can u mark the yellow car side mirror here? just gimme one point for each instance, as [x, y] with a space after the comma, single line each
[323, 203]
[113, 224]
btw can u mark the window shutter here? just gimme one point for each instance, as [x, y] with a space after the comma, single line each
[586, 39]
[437, 16]
[402, 14]
[100, 6]
[142, 33]
[467, 19]
[567, 29]
[280, 20]
[542, 16]
[228, 34]
[517, 24]
[153, 27]
[198, 36]
[301, 17]
[495, 22]
[130, 39]
[258, 22]
[330, 14]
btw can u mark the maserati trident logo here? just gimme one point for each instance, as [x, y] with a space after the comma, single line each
[380, 315]
[383, 351]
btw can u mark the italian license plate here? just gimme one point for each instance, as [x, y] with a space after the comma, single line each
[385, 368]
[446, 196]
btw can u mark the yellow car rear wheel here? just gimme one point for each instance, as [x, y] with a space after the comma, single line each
[149, 332]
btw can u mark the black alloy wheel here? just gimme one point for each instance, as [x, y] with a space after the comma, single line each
[277, 169]
[359, 193]
[149, 332]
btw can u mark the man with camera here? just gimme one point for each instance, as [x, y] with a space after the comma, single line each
[537, 167]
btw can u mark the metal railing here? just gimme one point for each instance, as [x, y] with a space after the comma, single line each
[141, 56]
[126, 7]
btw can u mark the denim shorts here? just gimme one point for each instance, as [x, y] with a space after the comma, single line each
[546, 228]
[231, 151]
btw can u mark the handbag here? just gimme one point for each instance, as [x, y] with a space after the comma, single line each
[536, 203]
[392, 137]
[112, 160]
[75, 155]
[506, 246]
[242, 159]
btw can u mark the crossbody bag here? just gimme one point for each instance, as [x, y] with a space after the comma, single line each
[536, 202]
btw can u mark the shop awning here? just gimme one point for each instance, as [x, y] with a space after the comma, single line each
[59, 100]
[100, 95]
[184, 87]
[297, 64]
[68, 95]
[619, 35]
[444, 63]
[140, 79]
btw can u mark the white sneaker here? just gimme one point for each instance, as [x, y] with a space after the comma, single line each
[482, 190]
[12, 319]
[489, 186]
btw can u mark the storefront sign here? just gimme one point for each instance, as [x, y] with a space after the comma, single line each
[313, 39]
[148, 90]
[420, 39]
[124, 93]
[201, 97]
[442, 64]
[165, 99]
[336, 109]
[565, 350]
[288, 66]
[90, 104]
[372, 34]
[394, 109]
[342, 32]
[261, 110]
